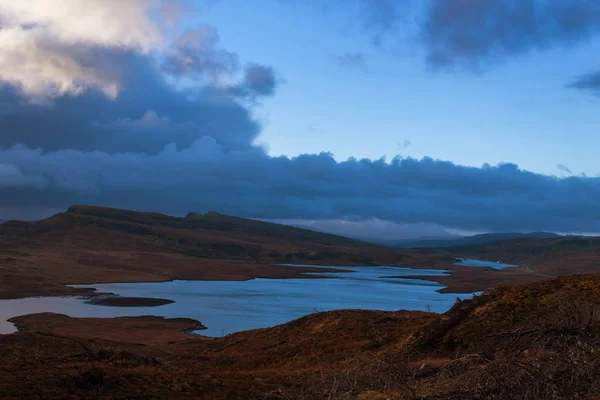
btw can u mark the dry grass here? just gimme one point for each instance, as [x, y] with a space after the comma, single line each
[540, 341]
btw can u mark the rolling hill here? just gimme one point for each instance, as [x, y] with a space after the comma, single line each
[88, 244]
[534, 341]
[95, 244]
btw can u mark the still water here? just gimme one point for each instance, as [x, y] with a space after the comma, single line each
[229, 306]
[465, 262]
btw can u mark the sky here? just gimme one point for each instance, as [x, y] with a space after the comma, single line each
[403, 117]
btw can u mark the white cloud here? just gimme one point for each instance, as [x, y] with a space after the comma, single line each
[43, 42]
[99, 22]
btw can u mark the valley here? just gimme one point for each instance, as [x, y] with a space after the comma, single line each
[487, 345]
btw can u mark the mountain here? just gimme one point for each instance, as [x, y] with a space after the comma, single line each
[95, 244]
[538, 341]
[471, 240]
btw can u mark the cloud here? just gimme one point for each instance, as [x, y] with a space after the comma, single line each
[315, 187]
[196, 54]
[259, 81]
[477, 32]
[118, 111]
[381, 17]
[46, 54]
[13, 177]
[372, 229]
[351, 61]
[589, 82]
[564, 168]
[404, 144]
[147, 115]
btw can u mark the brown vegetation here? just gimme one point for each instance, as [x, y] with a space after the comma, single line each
[120, 301]
[101, 245]
[539, 341]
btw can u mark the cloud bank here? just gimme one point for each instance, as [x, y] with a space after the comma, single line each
[252, 184]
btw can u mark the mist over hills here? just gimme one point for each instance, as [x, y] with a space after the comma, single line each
[376, 231]
[470, 240]
[408, 236]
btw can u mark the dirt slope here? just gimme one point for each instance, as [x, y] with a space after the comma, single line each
[539, 341]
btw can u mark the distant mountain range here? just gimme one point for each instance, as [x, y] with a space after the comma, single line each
[439, 238]
[471, 240]
[377, 231]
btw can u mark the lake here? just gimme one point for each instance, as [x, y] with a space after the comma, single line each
[466, 262]
[229, 306]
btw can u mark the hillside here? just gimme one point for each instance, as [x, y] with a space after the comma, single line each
[537, 259]
[94, 244]
[538, 341]
[89, 244]
[552, 256]
[471, 240]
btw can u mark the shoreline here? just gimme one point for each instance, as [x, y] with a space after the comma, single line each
[146, 329]
[115, 300]
[458, 280]
[74, 289]
[104, 298]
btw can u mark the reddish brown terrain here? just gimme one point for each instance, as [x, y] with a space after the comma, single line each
[540, 341]
[95, 245]
[99, 245]
[537, 259]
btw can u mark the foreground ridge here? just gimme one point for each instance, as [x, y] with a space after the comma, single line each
[530, 342]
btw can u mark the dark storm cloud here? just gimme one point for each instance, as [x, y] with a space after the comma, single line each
[473, 33]
[147, 115]
[252, 184]
[466, 31]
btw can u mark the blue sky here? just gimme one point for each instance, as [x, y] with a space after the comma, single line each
[283, 109]
[520, 110]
